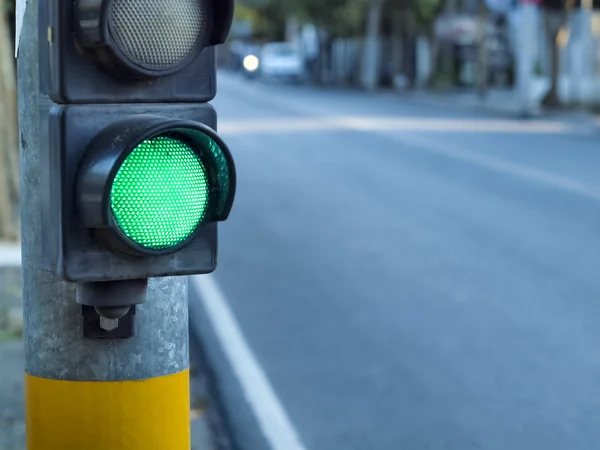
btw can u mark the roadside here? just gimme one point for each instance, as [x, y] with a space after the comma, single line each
[502, 103]
[12, 408]
[499, 103]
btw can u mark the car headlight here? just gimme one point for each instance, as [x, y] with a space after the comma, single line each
[251, 63]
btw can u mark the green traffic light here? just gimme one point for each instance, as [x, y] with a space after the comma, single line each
[160, 194]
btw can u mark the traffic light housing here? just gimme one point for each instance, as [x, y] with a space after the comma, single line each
[135, 177]
[109, 164]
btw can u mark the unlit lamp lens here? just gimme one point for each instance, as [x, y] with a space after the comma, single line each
[158, 34]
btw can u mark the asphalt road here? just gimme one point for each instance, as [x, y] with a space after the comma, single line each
[409, 278]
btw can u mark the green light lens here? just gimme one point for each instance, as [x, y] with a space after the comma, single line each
[160, 193]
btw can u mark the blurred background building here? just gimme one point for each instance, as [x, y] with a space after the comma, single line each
[434, 44]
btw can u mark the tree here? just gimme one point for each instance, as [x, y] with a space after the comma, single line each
[335, 17]
[9, 144]
[267, 18]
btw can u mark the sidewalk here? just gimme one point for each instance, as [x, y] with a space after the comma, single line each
[503, 103]
[10, 255]
[12, 411]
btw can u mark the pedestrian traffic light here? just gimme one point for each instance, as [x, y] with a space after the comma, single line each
[135, 176]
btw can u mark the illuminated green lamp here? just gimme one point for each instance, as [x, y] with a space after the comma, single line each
[154, 194]
[160, 195]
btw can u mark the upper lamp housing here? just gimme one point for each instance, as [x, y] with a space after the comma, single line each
[145, 38]
[131, 51]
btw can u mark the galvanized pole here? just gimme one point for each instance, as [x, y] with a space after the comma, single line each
[526, 57]
[118, 394]
[482, 50]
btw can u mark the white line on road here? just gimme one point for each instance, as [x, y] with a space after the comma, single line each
[272, 418]
[501, 166]
[376, 124]
[390, 127]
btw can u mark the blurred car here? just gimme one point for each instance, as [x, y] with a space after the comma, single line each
[281, 60]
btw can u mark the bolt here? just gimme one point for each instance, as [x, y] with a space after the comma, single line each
[109, 324]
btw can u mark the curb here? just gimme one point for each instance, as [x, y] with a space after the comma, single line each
[486, 106]
[581, 120]
[10, 255]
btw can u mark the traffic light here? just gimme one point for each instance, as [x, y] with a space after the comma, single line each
[135, 176]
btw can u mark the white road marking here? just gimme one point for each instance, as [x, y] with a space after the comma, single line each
[388, 127]
[272, 418]
[452, 125]
[501, 166]
[275, 126]
[390, 123]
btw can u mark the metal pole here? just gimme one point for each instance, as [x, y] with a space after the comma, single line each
[526, 56]
[482, 51]
[118, 394]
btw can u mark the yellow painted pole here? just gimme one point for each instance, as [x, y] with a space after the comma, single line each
[152, 414]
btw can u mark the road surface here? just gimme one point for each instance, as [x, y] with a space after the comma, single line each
[396, 277]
